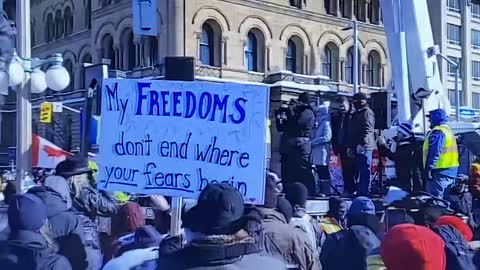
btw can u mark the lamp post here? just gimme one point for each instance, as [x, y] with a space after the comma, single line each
[354, 27]
[25, 76]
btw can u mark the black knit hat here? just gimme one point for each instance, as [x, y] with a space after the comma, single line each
[304, 97]
[219, 210]
[297, 194]
[74, 165]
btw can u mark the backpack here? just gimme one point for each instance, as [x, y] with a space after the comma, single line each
[456, 249]
[358, 242]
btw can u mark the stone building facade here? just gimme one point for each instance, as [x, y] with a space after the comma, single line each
[246, 40]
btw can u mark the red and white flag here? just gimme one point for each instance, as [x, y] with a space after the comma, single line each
[45, 154]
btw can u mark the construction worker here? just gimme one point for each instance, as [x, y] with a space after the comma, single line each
[440, 155]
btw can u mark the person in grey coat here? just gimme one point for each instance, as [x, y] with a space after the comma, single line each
[321, 150]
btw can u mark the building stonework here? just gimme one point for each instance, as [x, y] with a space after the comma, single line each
[244, 40]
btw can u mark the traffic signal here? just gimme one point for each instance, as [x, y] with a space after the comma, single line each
[46, 110]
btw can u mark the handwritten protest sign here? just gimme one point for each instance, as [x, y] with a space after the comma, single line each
[173, 138]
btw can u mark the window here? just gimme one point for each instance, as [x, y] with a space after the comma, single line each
[349, 67]
[206, 45]
[69, 67]
[451, 69]
[59, 30]
[151, 53]
[476, 70]
[68, 21]
[251, 52]
[50, 28]
[107, 50]
[373, 69]
[476, 100]
[291, 58]
[452, 97]
[475, 39]
[297, 3]
[476, 10]
[453, 34]
[129, 51]
[327, 62]
[453, 5]
[88, 14]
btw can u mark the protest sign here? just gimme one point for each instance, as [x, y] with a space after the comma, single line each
[173, 138]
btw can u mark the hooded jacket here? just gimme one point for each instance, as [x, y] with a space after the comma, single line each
[361, 129]
[30, 250]
[226, 252]
[321, 138]
[67, 228]
[283, 241]
[436, 142]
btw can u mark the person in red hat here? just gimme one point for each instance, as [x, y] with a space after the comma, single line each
[413, 247]
[458, 224]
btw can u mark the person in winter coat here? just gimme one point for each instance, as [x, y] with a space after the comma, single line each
[219, 235]
[413, 247]
[360, 239]
[297, 195]
[285, 125]
[362, 142]
[336, 218]
[440, 155]
[340, 138]
[299, 165]
[321, 150]
[474, 179]
[78, 243]
[28, 245]
[458, 224]
[407, 157]
[280, 238]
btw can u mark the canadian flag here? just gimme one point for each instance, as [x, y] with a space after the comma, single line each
[45, 154]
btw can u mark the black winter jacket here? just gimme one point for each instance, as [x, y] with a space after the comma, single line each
[303, 123]
[361, 129]
[29, 250]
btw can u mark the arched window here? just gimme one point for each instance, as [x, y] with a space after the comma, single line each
[67, 63]
[59, 30]
[251, 53]
[349, 66]
[49, 28]
[330, 61]
[151, 51]
[107, 50]
[373, 69]
[128, 52]
[210, 44]
[68, 21]
[294, 55]
[86, 59]
[327, 62]
[206, 45]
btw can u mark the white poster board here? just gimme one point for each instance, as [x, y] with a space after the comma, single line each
[173, 138]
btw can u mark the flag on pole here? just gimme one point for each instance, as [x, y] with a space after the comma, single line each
[46, 154]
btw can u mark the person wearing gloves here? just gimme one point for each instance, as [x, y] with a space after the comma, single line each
[440, 155]
[321, 149]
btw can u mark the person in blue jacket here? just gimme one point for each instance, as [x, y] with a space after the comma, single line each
[440, 155]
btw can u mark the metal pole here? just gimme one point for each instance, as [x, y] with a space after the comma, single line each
[355, 57]
[24, 107]
[457, 92]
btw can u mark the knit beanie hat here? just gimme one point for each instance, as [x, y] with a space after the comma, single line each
[60, 185]
[361, 205]
[413, 247]
[26, 212]
[284, 207]
[297, 194]
[405, 129]
[271, 193]
[458, 224]
[130, 217]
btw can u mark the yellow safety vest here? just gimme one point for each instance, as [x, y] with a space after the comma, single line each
[449, 156]
[330, 226]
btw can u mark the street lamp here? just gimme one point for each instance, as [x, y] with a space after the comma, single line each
[435, 50]
[56, 78]
[354, 27]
